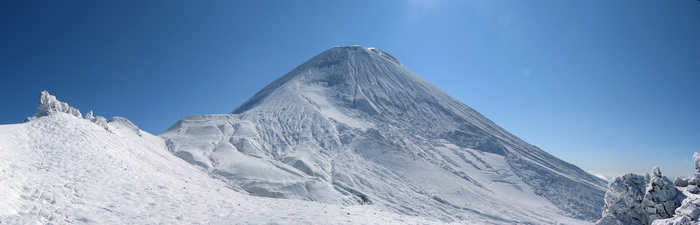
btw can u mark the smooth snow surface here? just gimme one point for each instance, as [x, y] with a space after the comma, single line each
[352, 126]
[62, 169]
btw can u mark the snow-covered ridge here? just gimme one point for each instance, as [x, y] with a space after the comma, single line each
[49, 104]
[59, 168]
[125, 123]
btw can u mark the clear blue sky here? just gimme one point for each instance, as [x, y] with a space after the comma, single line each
[611, 86]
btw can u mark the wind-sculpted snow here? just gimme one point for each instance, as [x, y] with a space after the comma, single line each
[353, 126]
[62, 169]
[123, 122]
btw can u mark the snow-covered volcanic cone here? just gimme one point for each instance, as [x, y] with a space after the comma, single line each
[353, 126]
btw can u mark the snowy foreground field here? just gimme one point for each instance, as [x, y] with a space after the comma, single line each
[64, 169]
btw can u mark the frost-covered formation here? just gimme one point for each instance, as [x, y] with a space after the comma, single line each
[101, 121]
[661, 203]
[689, 211]
[687, 214]
[661, 198]
[691, 184]
[623, 200]
[640, 199]
[694, 182]
[48, 104]
[352, 126]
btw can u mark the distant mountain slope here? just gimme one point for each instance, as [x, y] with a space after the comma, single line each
[353, 126]
[58, 168]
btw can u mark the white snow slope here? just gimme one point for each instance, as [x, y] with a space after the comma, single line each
[352, 126]
[58, 168]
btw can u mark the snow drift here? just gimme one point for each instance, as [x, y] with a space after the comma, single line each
[352, 126]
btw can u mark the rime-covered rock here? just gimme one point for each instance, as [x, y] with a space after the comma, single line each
[49, 104]
[660, 198]
[624, 200]
[680, 182]
[689, 211]
[640, 199]
[693, 189]
[664, 203]
[686, 214]
[100, 121]
[696, 158]
[88, 116]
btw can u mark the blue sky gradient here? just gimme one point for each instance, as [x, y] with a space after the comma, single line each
[610, 86]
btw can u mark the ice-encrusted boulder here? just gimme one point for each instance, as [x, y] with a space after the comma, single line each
[101, 121]
[692, 184]
[689, 211]
[88, 116]
[665, 203]
[49, 104]
[687, 214]
[680, 182]
[693, 189]
[640, 199]
[660, 199]
[696, 179]
[623, 200]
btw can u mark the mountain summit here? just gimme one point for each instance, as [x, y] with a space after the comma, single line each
[353, 126]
